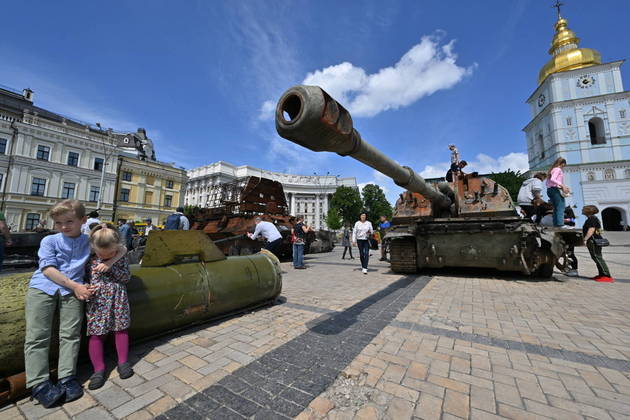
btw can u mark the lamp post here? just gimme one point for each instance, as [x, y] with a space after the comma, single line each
[107, 156]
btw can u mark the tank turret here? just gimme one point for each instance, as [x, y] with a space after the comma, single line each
[471, 222]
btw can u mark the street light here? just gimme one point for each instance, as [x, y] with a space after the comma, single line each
[107, 156]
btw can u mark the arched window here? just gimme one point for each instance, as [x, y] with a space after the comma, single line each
[541, 145]
[596, 130]
[627, 173]
[609, 174]
[590, 176]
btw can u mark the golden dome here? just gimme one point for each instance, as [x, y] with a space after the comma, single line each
[566, 54]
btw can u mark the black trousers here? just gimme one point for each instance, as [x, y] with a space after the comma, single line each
[364, 252]
[274, 246]
[347, 248]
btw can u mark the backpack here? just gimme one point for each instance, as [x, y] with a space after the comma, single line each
[172, 222]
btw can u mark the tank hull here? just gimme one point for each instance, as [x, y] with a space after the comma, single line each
[163, 298]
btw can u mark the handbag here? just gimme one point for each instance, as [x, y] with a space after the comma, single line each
[601, 242]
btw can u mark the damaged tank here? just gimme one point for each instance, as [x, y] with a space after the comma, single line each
[183, 279]
[232, 208]
[471, 222]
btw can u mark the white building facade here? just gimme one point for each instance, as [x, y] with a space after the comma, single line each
[581, 112]
[45, 158]
[307, 195]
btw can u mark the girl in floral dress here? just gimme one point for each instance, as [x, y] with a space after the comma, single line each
[108, 310]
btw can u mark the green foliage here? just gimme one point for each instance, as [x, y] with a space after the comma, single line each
[347, 202]
[333, 220]
[375, 203]
[510, 180]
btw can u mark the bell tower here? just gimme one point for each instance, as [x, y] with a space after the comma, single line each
[580, 111]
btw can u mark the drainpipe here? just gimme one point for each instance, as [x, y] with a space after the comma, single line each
[116, 188]
[6, 181]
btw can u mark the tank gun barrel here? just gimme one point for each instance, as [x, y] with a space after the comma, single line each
[310, 117]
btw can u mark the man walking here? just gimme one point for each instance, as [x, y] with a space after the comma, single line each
[269, 232]
[177, 221]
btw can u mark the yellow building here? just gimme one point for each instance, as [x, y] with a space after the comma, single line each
[147, 189]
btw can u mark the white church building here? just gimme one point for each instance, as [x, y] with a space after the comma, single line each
[581, 112]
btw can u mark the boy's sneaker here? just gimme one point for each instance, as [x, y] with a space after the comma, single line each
[47, 393]
[596, 278]
[97, 380]
[71, 387]
[605, 279]
[124, 370]
[365, 271]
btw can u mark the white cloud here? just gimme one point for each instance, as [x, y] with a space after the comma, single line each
[267, 110]
[483, 164]
[426, 68]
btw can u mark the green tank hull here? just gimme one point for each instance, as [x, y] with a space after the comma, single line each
[183, 280]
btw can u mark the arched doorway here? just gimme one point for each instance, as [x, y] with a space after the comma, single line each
[611, 218]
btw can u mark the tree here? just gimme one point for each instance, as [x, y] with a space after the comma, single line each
[375, 203]
[348, 203]
[510, 180]
[333, 220]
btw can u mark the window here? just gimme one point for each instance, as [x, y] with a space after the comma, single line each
[32, 220]
[73, 159]
[590, 176]
[626, 173]
[168, 201]
[68, 190]
[124, 194]
[569, 122]
[126, 176]
[2, 178]
[596, 131]
[43, 152]
[3, 146]
[622, 113]
[169, 184]
[609, 174]
[148, 197]
[38, 186]
[94, 193]
[541, 146]
[98, 164]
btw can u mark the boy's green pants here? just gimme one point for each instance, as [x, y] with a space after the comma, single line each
[40, 308]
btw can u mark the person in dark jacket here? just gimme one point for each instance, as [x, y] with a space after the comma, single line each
[591, 230]
[346, 242]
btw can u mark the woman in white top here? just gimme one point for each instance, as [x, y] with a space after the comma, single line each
[360, 236]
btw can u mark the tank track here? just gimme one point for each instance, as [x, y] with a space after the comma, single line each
[403, 256]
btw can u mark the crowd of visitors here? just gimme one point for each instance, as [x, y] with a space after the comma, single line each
[556, 214]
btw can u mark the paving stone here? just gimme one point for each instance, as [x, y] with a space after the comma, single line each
[112, 397]
[429, 407]
[449, 383]
[321, 406]
[545, 410]
[161, 405]
[483, 399]
[399, 409]
[75, 407]
[509, 395]
[457, 403]
[137, 403]
[140, 415]
[95, 413]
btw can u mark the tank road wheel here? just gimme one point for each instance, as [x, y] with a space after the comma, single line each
[403, 255]
[545, 264]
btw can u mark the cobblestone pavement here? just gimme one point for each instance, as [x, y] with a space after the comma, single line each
[339, 344]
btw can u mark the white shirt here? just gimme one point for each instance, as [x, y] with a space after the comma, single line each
[267, 230]
[526, 192]
[85, 228]
[362, 230]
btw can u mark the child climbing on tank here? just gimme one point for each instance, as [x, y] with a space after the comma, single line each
[108, 310]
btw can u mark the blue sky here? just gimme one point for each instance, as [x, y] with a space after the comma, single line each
[199, 75]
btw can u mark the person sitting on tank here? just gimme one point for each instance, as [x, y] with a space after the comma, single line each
[271, 234]
[545, 214]
[530, 190]
[456, 171]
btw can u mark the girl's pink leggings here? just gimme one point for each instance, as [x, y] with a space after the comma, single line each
[96, 346]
